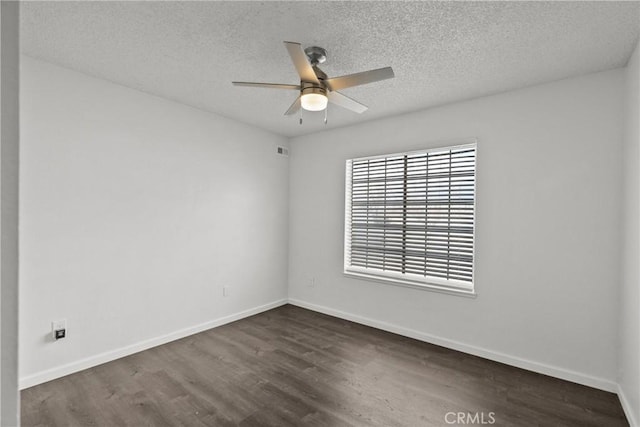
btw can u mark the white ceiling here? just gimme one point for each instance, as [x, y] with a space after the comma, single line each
[440, 51]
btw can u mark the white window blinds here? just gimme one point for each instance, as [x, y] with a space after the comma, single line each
[410, 217]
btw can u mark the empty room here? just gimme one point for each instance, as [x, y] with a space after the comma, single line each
[319, 213]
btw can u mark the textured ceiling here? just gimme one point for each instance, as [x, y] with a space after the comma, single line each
[440, 51]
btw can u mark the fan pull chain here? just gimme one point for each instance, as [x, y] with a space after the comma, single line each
[325, 114]
[300, 115]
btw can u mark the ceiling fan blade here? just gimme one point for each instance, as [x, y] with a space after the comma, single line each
[362, 78]
[301, 62]
[294, 107]
[267, 85]
[346, 102]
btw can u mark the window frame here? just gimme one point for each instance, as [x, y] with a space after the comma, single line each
[430, 283]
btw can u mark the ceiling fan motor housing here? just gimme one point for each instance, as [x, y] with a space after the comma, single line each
[310, 87]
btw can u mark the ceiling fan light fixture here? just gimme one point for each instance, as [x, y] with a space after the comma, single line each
[314, 101]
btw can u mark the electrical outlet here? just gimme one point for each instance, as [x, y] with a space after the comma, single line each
[225, 291]
[59, 329]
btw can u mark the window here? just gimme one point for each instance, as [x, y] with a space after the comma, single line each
[409, 218]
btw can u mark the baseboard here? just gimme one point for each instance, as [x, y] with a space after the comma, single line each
[577, 377]
[553, 371]
[628, 409]
[61, 371]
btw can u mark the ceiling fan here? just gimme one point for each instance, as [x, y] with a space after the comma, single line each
[315, 88]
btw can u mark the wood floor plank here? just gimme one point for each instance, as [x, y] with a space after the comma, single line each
[294, 367]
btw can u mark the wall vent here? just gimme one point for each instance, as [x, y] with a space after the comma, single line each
[283, 151]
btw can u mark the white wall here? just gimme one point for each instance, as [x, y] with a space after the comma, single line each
[9, 152]
[135, 212]
[629, 354]
[547, 237]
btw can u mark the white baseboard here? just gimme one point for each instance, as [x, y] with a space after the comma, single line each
[565, 374]
[69, 368]
[628, 409]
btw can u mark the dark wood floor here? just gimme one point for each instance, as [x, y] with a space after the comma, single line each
[294, 367]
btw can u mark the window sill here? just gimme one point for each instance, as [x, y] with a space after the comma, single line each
[409, 284]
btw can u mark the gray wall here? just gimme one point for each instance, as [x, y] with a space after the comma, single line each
[547, 236]
[135, 213]
[629, 357]
[9, 150]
